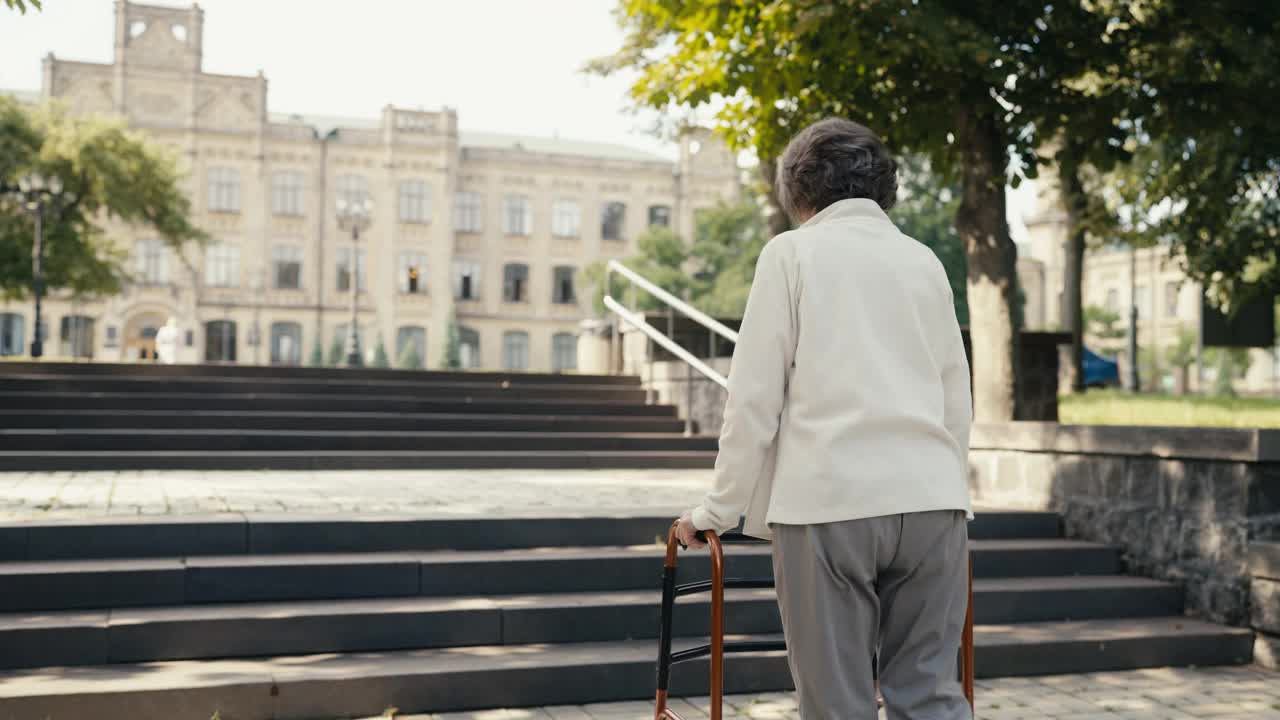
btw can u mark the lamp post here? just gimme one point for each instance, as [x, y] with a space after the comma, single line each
[36, 192]
[354, 216]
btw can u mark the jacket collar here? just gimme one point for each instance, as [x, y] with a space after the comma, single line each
[847, 208]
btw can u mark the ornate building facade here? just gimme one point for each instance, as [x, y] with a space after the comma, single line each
[489, 229]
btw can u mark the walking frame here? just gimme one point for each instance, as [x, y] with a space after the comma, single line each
[717, 647]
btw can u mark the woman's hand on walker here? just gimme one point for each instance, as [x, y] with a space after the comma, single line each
[686, 533]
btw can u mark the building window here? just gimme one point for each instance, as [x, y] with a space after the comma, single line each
[222, 265]
[220, 341]
[562, 292]
[412, 272]
[1113, 300]
[286, 193]
[351, 189]
[12, 334]
[515, 282]
[466, 280]
[1142, 299]
[1171, 299]
[515, 350]
[611, 218]
[287, 263]
[151, 262]
[415, 201]
[286, 343]
[564, 352]
[343, 257]
[469, 348]
[566, 219]
[517, 215]
[224, 189]
[77, 336]
[411, 347]
[466, 212]
[660, 215]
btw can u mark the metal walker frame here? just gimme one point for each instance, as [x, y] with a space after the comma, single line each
[717, 647]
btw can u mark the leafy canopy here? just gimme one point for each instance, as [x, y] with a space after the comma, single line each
[108, 173]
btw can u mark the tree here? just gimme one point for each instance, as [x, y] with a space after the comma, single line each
[107, 171]
[1103, 323]
[317, 355]
[926, 211]
[1182, 355]
[727, 243]
[452, 359]
[1208, 177]
[966, 85]
[337, 353]
[380, 359]
[409, 358]
[661, 258]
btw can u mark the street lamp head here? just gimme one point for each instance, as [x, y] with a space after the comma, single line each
[36, 184]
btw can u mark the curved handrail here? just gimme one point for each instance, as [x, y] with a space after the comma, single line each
[674, 302]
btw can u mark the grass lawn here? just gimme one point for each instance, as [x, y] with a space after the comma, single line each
[1115, 407]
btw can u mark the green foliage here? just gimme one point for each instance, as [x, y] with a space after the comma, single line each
[1204, 177]
[380, 359]
[661, 258]
[1103, 323]
[905, 68]
[1183, 352]
[108, 172]
[408, 359]
[714, 272]
[727, 243]
[22, 5]
[1222, 384]
[926, 211]
[337, 353]
[452, 359]
[317, 355]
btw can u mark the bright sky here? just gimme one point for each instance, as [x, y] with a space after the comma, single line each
[509, 66]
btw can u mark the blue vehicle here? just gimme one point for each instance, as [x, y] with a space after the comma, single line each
[1099, 371]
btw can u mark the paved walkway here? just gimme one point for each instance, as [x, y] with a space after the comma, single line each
[26, 496]
[1161, 694]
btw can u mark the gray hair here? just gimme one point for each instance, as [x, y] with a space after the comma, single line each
[832, 160]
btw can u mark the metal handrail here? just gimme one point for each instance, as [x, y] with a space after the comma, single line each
[637, 320]
[674, 302]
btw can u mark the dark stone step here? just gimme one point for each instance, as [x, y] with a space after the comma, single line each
[101, 369]
[239, 578]
[441, 680]
[367, 421]
[43, 461]
[284, 402]
[224, 440]
[248, 630]
[234, 534]
[286, 385]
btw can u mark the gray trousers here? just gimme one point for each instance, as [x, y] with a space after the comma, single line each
[895, 585]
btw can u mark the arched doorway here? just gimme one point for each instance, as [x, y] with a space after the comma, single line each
[140, 336]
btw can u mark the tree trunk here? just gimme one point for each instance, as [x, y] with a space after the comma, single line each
[1074, 199]
[982, 226]
[778, 220]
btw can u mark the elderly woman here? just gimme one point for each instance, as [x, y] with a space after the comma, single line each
[845, 439]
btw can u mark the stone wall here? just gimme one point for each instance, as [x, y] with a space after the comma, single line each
[1182, 503]
[1264, 600]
